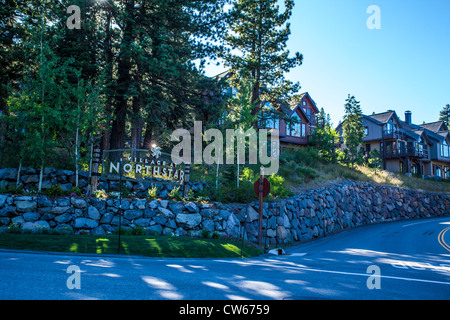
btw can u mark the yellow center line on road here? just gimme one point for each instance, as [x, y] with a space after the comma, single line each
[441, 239]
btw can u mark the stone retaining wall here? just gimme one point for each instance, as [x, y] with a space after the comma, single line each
[310, 215]
[29, 180]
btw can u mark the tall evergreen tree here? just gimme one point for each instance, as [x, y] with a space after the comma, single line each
[259, 31]
[155, 71]
[444, 115]
[353, 129]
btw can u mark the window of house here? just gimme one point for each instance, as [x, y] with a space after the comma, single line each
[268, 117]
[304, 102]
[419, 145]
[308, 113]
[222, 118]
[303, 130]
[438, 171]
[391, 127]
[388, 147]
[294, 129]
[366, 131]
[445, 149]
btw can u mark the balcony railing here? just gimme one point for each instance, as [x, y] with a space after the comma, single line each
[417, 151]
[394, 134]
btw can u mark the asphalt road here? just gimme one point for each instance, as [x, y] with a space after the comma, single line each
[402, 260]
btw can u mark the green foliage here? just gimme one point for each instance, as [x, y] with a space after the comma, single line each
[206, 234]
[174, 194]
[54, 191]
[306, 173]
[375, 160]
[152, 193]
[323, 139]
[74, 191]
[100, 194]
[260, 33]
[444, 115]
[277, 188]
[136, 231]
[215, 235]
[12, 189]
[14, 228]
[352, 128]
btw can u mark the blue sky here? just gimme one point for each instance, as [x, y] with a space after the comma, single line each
[405, 65]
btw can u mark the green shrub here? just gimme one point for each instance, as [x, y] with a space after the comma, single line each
[12, 189]
[215, 235]
[152, 193]
[54, 191]
[14, 228]
[277, 188]
[137, 231]
[175, 195]
[74, 190]
[306, 173]
[205, 233]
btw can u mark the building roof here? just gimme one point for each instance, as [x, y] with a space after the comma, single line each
[383, 117]
[434, 126]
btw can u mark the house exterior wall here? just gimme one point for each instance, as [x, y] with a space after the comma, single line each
[288, 139]
[427, 168]
[393, 165]
[374, 130]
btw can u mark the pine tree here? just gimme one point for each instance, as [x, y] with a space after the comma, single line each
[353, 129]
[260, 34]
[444, 115]
[155, 70]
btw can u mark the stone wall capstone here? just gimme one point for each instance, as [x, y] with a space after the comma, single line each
[309, 215]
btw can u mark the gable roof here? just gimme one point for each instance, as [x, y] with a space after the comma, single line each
[384, 117]
[415, 134]
[290, 109]
[435, 126]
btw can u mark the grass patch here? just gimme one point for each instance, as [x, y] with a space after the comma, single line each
[150, 246]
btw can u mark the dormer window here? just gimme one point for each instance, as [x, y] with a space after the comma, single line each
[391, 127]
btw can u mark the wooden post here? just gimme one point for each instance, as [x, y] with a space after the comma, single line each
[187, 172]
[261, 200]
[96, 159]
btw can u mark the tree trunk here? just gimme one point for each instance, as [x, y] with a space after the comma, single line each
[148, 136]
[137, 122]
[123, 81]
[106, 138]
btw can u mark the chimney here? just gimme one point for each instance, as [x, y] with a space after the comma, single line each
[408, 116]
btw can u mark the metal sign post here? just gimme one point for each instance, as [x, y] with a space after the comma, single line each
[261, 189]
[120, 206]
[245, 219]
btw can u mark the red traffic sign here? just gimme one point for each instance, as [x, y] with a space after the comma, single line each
[265, 189]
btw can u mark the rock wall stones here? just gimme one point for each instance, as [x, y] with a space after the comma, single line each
[313, 214]
[29, 179]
